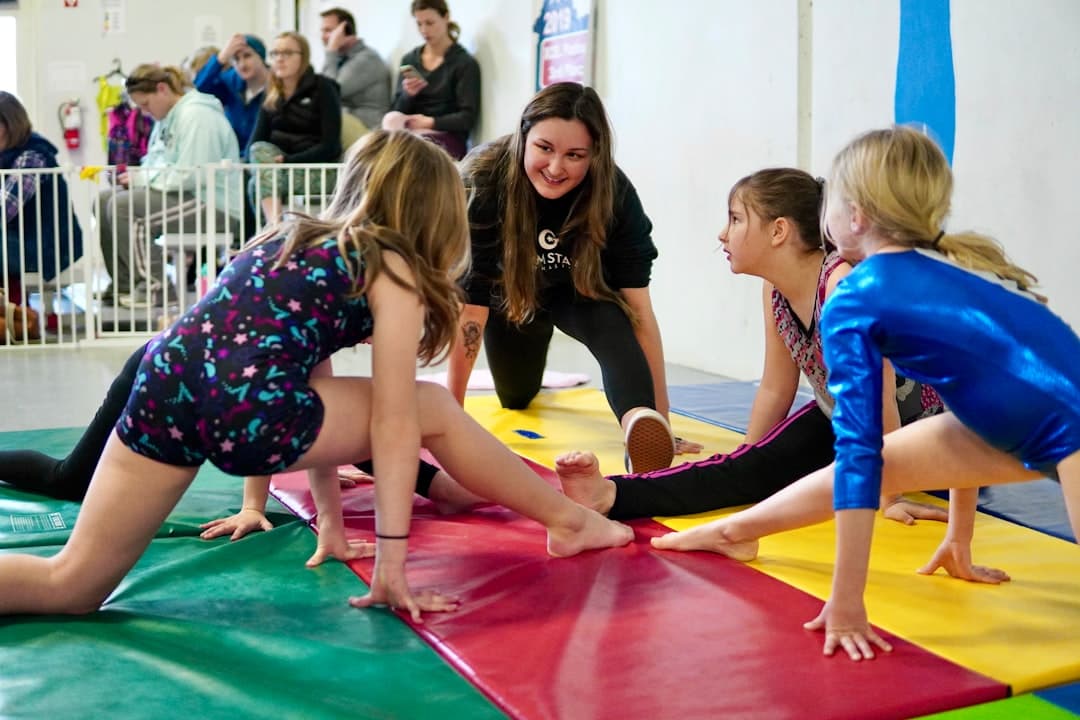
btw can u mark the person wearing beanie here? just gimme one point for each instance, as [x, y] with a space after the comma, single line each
[237, 76]
[363, 76]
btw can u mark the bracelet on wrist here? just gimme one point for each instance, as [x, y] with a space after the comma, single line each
[384, 536]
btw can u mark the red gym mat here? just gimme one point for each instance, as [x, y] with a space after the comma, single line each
[633, 633]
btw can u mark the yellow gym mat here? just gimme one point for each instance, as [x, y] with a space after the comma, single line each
[1025, 633]
[580, 419]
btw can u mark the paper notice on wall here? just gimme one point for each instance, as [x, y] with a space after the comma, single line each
[62, 78]
[208, 31]
[114, 16]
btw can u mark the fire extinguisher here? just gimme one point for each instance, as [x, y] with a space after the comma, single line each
[71, 122]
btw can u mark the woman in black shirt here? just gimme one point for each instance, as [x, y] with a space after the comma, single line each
[559, 239]
[438, 89]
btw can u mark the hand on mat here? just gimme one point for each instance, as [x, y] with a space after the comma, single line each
[682, 447]
[955, 558]
[905, 511]
[242, 523]
[848, 628]
[335, 545]
[389, 587]
[350, 476]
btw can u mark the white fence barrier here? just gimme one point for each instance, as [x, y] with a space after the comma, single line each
[93, 253]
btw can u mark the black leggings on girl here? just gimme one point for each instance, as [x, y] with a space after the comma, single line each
[796, 447]
[68, 478]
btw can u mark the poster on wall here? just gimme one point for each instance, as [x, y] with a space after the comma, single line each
[564, 49]
[114, 16]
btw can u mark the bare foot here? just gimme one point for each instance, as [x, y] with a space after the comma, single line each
[449, 497]
[579, 475]
[711, 538]
[592, 531]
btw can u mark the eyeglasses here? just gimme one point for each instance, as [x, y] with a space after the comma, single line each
[282, 53]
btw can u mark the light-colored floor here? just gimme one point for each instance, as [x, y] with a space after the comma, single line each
[53, 387]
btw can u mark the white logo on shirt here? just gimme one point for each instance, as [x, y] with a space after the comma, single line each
[548, 240]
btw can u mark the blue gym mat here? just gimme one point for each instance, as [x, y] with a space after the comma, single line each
[1064, 696]
[1037, 504]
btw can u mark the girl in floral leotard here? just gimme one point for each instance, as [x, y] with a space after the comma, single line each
[242, 379]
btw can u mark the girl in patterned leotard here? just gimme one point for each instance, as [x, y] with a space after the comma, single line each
[952, 311]
[774, 233]
[242, 379]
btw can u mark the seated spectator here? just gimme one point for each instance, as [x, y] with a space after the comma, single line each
[438, 91]
[362, 76]
[29, 221]
[194, 63]
[237, 76]
[299, 122]
[190, 131]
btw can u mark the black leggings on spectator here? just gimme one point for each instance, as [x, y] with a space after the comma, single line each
[796, 447]
[517, 354]
[68, 478]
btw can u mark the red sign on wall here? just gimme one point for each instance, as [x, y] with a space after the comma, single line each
[564, 58]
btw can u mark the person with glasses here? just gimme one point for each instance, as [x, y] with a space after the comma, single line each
[299, 122]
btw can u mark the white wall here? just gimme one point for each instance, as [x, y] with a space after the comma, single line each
[702, 92]
[53, 37]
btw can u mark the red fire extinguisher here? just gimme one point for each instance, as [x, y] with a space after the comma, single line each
[71, 122]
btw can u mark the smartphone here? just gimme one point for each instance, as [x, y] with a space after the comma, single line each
[410, 72]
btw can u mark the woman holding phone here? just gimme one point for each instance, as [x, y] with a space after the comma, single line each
[438, 88]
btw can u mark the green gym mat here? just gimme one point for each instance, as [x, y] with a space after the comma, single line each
[1021, 707]
[216, 629]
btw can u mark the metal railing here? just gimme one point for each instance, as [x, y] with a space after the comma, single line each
[150, 246]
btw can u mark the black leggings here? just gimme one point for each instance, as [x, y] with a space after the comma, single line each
[68, 478]
[517, 354]
[796, 447]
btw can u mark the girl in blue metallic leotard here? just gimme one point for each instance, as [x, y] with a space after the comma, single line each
[949, 310]
[242, 380]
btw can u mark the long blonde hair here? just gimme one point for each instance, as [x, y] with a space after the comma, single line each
[401, 194]
[902, 182]
[275, 92]
[495, 175]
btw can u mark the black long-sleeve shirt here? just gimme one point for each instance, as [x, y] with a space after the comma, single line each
[452, 95]
[626, 259]
[307, 126]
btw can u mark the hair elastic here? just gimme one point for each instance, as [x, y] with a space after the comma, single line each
[937, 239]
[382, 536]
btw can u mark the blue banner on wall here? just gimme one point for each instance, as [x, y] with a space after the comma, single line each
[564, 47]
[925, 79]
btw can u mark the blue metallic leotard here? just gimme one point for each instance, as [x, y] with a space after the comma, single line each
[1007, 366]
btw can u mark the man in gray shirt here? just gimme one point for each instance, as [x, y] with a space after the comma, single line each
[361, 74]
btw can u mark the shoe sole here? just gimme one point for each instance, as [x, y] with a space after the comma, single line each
[650, 444]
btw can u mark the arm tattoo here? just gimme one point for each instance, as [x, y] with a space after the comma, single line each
[471, 335]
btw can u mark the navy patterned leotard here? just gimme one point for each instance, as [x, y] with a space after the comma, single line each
[228, 382]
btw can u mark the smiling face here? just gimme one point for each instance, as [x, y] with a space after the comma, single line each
[557, 154]
[433, 27]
